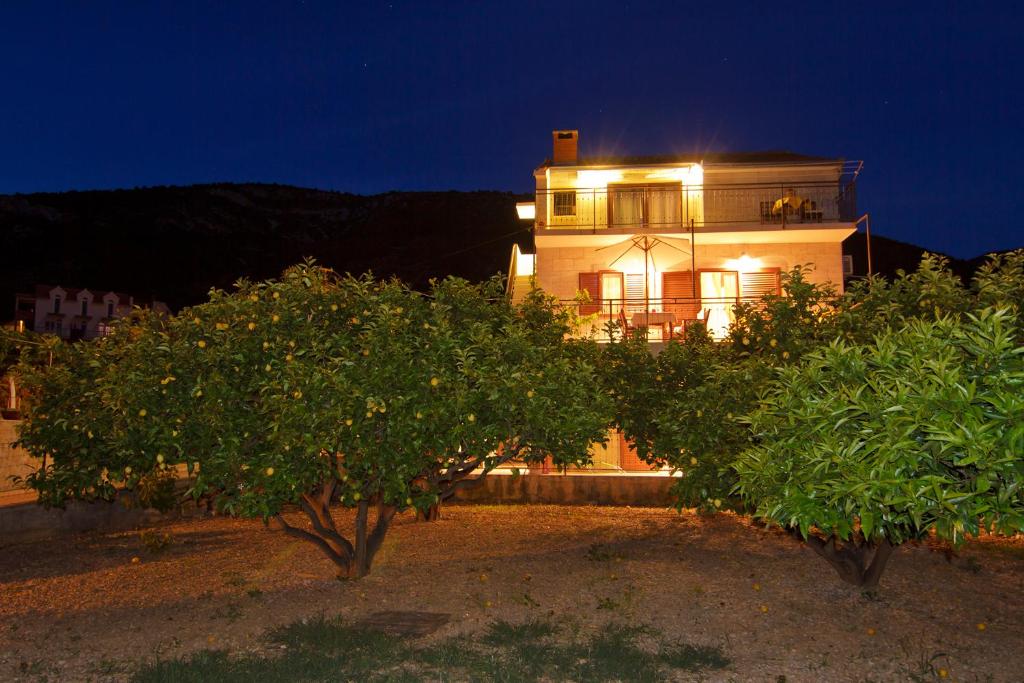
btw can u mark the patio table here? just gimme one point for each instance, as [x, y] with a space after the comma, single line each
[651, 318]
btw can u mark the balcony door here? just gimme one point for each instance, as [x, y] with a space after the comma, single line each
[719, 292]
[654, 206]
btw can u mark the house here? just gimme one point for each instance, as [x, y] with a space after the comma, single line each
[73, 313]
[660, 241]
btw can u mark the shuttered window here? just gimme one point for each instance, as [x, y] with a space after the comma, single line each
[634, 292]
[678, 294]
[755, 284]
[606, 290]
[591, 284]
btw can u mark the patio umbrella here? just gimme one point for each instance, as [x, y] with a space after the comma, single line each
[646, 244]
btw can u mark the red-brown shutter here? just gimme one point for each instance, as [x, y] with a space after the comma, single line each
[678, 294]
[591, 284]
[755, 284]
[628, 458]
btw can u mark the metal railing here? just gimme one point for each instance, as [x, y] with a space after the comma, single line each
[659, 319]
[707, 207]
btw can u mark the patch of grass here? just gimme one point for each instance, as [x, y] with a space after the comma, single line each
[501, 633]
[328, 649]
[600, 552]
[231, 611]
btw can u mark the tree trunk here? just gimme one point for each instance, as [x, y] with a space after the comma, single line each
[432, 514]
[851, 560]
[367, 545]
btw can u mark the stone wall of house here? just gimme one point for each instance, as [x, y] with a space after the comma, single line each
[13, 461]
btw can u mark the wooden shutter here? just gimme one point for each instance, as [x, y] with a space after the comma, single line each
[628, 458]
[756, 283]
[591, 284]
[678, 294]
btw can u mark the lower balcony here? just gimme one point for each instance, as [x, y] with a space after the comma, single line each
[657, 319]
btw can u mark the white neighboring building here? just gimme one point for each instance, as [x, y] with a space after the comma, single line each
[75, 313]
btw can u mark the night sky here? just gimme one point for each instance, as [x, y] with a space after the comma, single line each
[371, 96]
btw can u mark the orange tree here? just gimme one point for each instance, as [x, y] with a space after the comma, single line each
[682, 407]
[862, 447]
[315, 389]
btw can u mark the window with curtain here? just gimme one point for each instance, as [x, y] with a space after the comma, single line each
[645, 205]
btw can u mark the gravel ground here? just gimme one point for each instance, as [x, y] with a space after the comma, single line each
[84, 609]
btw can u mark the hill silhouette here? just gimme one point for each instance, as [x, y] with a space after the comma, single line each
[175, 243]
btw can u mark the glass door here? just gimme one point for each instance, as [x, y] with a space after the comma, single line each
[719, 292]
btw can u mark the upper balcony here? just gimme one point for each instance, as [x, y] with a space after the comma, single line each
[667, 207]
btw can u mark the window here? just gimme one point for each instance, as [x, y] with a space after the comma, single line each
[645, 205]
[605, 289]
[719, 292]
[565, 203]
[847, 264]
[110, 309]
[635, 292]
[85, 307]
[56, 304]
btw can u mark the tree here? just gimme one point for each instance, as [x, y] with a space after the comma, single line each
[873, 305]
[863, 447]
[682, 408]
[315, 389]
[780, 329]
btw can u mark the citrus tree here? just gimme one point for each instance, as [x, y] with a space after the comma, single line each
[862, 447]
[779, 329]
[315, 389]
[682, 408]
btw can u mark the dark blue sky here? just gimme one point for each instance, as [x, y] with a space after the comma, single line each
[378, 96]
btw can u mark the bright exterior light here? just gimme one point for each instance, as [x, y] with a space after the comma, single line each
[527, 210]
[743, 264]
[597, 179]
[692, 175]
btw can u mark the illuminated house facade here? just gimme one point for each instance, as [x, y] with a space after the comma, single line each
[662, 241]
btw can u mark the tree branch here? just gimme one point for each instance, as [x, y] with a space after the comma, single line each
[342, 562]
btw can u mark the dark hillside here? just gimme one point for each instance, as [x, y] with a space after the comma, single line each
[177, 242]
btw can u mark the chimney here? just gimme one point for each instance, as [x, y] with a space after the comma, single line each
[565, 146]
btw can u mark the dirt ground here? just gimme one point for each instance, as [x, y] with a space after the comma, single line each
[81, 609]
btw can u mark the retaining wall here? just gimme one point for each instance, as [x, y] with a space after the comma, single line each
[13, 461]
[572, 489]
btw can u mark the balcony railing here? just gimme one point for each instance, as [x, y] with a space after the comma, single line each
[705, 208]
[659, 319]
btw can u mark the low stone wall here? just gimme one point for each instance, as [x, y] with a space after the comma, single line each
[575, 489]
[13, 461]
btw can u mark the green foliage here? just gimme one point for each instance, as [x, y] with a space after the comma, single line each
[872, 306]
[315, 388]
[327, 649]
[921, 430]
[999, 282]
[682, 408]
[780, 329]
